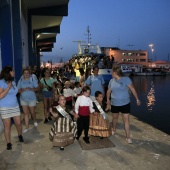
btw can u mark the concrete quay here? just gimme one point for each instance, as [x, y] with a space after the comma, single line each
[150, 150]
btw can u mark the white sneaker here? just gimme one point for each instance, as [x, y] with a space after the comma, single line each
[35, 124]
[25, 130]
[129, 140]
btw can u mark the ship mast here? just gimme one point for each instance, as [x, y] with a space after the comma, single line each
[86, 49]
[88, 36]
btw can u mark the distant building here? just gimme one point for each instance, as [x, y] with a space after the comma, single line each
[127, 56]
[161, 64]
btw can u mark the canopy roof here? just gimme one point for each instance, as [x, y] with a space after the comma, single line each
[45, 17]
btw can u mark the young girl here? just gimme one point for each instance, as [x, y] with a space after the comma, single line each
[77, 88]
[58, 91]
[64, 129]
[99, 124]
[83, 108]
[69, 94]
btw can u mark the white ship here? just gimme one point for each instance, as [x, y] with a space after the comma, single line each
[94, 51]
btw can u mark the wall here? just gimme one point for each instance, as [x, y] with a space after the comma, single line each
[24, 30]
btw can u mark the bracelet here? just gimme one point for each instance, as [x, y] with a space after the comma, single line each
[137, 100]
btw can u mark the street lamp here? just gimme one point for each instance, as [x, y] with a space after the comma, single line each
[151, 45]
[152, 50]
[110, 55]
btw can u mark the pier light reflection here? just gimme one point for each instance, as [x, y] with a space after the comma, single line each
[151, 97]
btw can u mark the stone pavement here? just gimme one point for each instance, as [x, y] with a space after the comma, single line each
[150, 150]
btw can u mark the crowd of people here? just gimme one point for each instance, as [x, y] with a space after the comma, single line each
[74, 105]
[89, 60]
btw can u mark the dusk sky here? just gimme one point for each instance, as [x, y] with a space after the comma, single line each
[115, 23]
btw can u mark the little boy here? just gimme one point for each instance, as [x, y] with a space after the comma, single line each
[83, 107]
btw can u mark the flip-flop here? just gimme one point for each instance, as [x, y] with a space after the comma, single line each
[113, 132]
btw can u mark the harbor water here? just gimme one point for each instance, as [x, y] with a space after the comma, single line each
[154, 93]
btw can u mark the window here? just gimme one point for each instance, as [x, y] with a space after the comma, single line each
[130, 60]
[143, 60]
[142, 54]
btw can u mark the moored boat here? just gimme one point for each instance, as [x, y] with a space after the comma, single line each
[150, 74]
[89, 55]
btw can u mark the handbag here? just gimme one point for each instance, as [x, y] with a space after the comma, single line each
[48, 87]
[1, 126]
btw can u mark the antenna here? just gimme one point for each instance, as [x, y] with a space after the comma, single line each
[88, 36]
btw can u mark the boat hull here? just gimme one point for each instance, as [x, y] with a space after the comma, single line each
[150, 74]
[106, 73]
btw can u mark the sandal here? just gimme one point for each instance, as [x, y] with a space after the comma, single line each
[113, 132]
[129, 140]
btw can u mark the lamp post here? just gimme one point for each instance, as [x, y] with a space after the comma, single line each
[152, 50]
[110, 55]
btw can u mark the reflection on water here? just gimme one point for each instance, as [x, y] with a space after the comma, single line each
[154, 94]
[151, 97]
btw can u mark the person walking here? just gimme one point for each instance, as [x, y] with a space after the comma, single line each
[118, 89]
[9, 107]
[82, 77]
[96, 83]
[47, 84]
[83, 108]
[27, 86]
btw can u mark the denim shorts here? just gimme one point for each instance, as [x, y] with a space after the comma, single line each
[28, 103]
[123, 109]
[47, 94]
